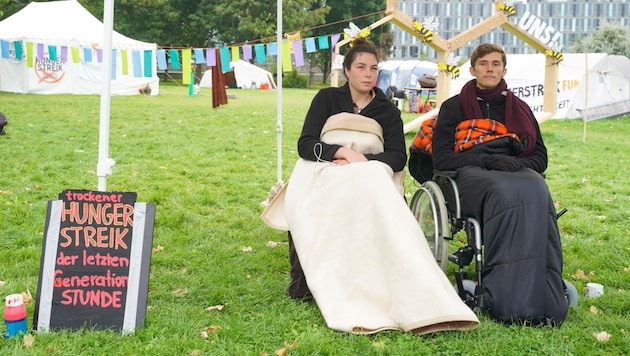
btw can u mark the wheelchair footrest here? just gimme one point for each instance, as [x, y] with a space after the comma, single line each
[463, 256]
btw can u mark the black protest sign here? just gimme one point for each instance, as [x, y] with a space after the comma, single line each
[95, 262]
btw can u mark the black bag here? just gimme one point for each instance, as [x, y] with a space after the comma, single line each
[3, 123]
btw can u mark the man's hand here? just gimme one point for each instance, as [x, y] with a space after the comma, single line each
[500, 162]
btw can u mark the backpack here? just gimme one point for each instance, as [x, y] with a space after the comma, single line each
[3, 123]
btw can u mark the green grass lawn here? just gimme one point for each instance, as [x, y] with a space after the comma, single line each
[208, 170]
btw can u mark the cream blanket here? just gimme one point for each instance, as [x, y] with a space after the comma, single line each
[364, 256]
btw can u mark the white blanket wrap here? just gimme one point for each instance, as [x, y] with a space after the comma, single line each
[364, 256]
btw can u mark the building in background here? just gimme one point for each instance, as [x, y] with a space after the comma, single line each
[558, 23]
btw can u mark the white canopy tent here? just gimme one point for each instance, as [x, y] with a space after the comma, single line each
[57, 40]
[596, 82]
[403, 74]
[247, 75]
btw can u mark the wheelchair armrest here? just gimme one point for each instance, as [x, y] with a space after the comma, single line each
[450, 174]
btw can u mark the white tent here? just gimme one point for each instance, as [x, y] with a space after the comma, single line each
[60, 43]
[247, 75]
[403, 74]
[596, 82]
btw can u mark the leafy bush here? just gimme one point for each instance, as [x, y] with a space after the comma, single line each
[294, 80]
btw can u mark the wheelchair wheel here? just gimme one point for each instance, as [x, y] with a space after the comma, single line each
[571, 293]
[469, 293]
[429, 208]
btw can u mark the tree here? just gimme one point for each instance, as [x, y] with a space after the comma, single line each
[609, 38]
[9, 7]
[342, 12]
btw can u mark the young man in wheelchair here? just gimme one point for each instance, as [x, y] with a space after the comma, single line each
[493, 142]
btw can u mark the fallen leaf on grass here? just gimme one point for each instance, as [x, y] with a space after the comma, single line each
[215, 307]
[579, 274]
[157, 248]
[602, 336]
[27, 297]
[626, 269]
[2, 283]
[28, 340]
[274, 244]
[180, 292]
[247, 249]
[285, 350]
[209, 330]
[593, 309]
[196, 353]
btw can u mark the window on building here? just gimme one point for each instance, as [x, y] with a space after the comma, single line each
[413, 51]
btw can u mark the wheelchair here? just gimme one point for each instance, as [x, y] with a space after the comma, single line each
[437, 208]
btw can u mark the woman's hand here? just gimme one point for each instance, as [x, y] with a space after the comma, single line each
[346, 155]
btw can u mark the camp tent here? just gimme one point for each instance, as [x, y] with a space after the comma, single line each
[597, 82]
[56, 48]
[403, 74]
[247, 75]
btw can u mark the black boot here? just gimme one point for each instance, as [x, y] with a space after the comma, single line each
[298, 289]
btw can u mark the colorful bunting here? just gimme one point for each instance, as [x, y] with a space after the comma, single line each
[292, 51]
[4, 47]
[247, 52]
[136, 64]
[334, 39]
[286, 57]
[298, 53]
[87, 55]
[272, 49]
[261, 57]
[76, 55]
[124, 56]
[29, 54]
[310, 45]
[40, 52]
[52, 52]
[235, 53]
[160, 55]
[19, 51]
[148, 63]
[211, 57]
[173, 54]
[186, 65]
[224, 55]
[114, 55]
[64, 54]
[199, 56]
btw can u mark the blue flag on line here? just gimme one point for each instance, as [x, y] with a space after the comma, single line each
[224, 54]
[272, 49]
[87, 55]
[261, 57]
[173, 55]
[137, 64]
[323, 42]
[309, 42]
[199, 56]
[4, 47]
[161, 59]
[148, 63]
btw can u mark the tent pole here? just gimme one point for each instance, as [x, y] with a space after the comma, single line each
[279, 88]
[585, 112]
[104, 166]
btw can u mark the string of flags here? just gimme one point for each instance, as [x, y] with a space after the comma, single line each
[292, 52]
[139, 63]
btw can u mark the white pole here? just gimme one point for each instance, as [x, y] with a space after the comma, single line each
[585, 111]
[279, 88]
[104, 166]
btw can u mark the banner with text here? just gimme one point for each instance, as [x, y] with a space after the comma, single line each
[95, 261]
